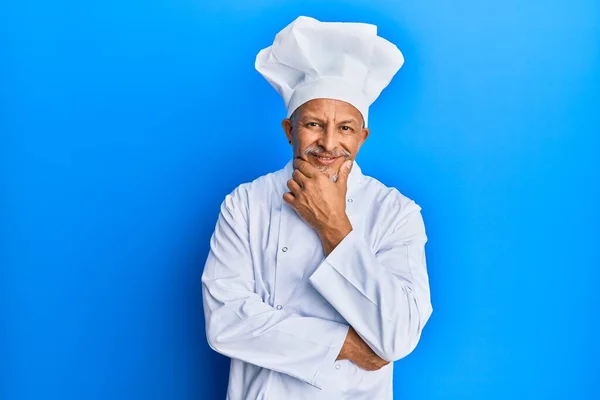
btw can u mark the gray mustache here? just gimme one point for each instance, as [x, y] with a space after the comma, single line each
[322, 152]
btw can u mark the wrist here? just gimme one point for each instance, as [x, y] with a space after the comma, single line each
[346, 350]
[332, 235]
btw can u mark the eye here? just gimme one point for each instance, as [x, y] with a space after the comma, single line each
[346, 128]
[313, 124]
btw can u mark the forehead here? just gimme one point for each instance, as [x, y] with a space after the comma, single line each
[330, 108]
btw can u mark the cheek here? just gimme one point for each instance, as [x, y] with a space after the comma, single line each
[299, 146]
[350, 143]
[304, 139]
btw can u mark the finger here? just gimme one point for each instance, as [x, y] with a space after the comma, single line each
[294, 187]
[378, 365]
[289, 198]
[344, 172]
[305, 167]
[299, 178]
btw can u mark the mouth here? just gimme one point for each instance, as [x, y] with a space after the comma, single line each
[323, 159]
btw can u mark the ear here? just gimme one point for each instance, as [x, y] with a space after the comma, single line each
[364, 134]
[286, 124]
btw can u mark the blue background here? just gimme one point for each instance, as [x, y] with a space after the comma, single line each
[123, 124]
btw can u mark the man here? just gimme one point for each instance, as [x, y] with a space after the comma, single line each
[316, 279]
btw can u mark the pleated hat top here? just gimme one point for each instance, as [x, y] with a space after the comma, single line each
[344, 61]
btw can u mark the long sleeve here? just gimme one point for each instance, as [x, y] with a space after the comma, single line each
[240, 325]
[383, 294]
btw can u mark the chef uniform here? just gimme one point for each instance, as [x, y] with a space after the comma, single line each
[273, 302]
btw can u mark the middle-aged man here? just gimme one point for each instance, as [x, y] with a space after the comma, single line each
[316, 279]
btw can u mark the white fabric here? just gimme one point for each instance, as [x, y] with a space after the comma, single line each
[281, 310]
[344, 61]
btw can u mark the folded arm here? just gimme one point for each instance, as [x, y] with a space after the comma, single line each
[383, 294]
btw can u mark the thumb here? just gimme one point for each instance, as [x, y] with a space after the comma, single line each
[345, 171]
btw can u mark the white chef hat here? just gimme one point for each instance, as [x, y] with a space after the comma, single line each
[344, 61]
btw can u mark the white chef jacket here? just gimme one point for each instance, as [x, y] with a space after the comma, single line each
[281, 309]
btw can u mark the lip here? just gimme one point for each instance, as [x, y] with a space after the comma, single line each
[322, 161]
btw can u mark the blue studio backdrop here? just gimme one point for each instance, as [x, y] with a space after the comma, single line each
[123, 124]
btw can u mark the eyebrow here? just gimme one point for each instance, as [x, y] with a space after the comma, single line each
[310, 117]
[314, 117]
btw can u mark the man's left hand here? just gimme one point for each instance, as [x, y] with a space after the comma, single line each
[321, 202]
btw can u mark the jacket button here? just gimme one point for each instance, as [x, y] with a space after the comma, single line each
[284, 249]
[279, 307]
[350, 200]
[337, 366]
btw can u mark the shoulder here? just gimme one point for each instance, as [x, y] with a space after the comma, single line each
[388, 199]
[392, 212]
[262, 190]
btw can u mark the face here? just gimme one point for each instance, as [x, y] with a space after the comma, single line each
[326, 133]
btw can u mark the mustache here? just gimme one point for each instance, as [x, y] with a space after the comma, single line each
[318, 150]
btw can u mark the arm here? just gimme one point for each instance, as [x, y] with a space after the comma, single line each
[383, 295]
[240, 325]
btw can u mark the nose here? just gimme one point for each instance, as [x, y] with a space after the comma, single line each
[328, 139]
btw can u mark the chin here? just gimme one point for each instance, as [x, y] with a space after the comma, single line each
[326, 169]
[329, 172]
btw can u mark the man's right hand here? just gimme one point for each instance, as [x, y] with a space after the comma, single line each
[357, 351]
